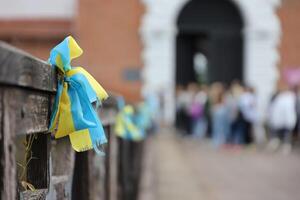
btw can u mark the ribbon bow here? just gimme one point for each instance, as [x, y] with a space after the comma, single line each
[125, 126]
[143, 117]
[73, 112]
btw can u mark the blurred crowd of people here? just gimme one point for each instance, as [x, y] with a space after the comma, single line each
[229, 115]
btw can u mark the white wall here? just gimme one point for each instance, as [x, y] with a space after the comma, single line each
[20, 9]
[262, 35]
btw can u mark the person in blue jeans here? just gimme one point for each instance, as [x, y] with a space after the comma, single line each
[220, 120]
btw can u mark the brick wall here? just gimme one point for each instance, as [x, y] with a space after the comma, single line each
[290, 42]
[36, 36]
[108, 33]
[107, 30]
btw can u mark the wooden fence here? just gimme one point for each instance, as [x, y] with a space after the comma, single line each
[35, 166]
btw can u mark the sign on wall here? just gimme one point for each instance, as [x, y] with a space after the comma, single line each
[131, 74]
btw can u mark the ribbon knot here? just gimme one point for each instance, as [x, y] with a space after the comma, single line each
[73, 114]
[125, 126]
[66, 79]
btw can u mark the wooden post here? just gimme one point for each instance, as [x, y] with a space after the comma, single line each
[61, 170]
[94, 174]
[113, 166]
[25, 86]
[8, 164]
[130, 162]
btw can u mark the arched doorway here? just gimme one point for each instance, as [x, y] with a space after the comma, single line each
[260, 38]
[209, 43]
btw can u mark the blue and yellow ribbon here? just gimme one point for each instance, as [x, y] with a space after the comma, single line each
[125, 126]
[143, 117]
[73, 113]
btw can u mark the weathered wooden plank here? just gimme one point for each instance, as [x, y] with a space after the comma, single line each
[2, 150]
[112, 166]
[109, 111]
[122, 167]
[130, 154]
[114, 169]
[7, 152]
[80, 186]
[111, 101]
[18, 68]
[107, 116]
[91, 175]
[62, 170]
[138, 150]
[27, 111]
[98, 174]
[107, 171]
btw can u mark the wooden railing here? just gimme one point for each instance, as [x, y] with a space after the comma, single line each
[35, 166]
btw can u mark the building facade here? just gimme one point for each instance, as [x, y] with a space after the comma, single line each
[146, 35]
[108, 32]
[261, 36]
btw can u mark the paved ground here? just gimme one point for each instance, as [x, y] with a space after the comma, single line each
[185, 169]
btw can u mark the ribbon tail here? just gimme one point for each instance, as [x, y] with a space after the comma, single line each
[65, 121]
[98, 137]
[98, 150]
[81, 140]
[96, 132]
[80, 107]
[56, 108]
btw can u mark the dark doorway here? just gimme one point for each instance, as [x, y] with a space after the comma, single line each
[209, 42]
